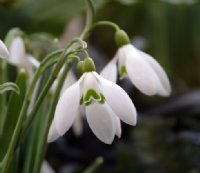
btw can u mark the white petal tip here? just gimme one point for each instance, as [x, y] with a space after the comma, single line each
[165, 92]
[119, 135]
[3, 50]
[108, 142]
[53, 134]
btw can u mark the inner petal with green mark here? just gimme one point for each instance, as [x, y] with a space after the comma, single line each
[92, 96]
[122, 72]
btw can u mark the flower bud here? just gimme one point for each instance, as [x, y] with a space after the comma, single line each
[121, 38]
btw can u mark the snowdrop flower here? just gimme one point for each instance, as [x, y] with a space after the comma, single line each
[142, 69]
[3, 51]
[105, 104]
[17, 55]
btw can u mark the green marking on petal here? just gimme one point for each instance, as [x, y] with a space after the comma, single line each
[90, 96]
[81, 100]
[122, 72]
[102, 101]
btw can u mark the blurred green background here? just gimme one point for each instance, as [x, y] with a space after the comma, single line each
[167, 137]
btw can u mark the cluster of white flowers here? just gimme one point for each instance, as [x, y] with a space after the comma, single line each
[103, 101]
[17, 56]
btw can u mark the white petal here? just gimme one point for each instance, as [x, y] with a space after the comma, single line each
[100, 120]
[119, 101]
[17, 52]
[46, 168]
[121, 54]
[141, 73]
[3, 50]
[160, 73]
[118, 129]
[54, 86]
[53, 133]
[67, 108]
[70, 79]
[78, 126]
[33, 61]
[89, 82]
[110, 70]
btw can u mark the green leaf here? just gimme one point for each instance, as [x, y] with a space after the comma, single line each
[95, 165]
[14, 107]
[9, 86]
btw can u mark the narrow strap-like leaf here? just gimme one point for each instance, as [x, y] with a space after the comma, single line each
[14, 106]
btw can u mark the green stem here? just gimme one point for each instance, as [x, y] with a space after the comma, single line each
[107, 23]
[92, 168]
[90, 17]
[16, 134]
[100, 23]
[3, 97]
[28, 122]
[43, 139]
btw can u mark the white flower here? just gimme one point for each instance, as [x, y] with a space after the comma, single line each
[143, 70]
[105, 104]
[3, 50]
[17, 55]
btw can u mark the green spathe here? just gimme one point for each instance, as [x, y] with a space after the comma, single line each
[89, 65]
[85, 66]
[121, 38]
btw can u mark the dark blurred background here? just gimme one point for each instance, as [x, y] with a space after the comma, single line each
[167, 136]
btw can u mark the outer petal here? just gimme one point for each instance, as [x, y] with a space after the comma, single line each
[70, 79]
[67, 108]
[25, 63]
[160, 73]
[33, 61]
[3, 50]
[141, 73]
[78, 125]
[119, 101]
[100, 120]
[53, 133]
[17, 52]
[118, 129]
[110, 70]
[46, 168]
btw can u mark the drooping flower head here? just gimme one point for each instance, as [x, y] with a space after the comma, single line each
[142, 69]
[17, 55]
[105, 104]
